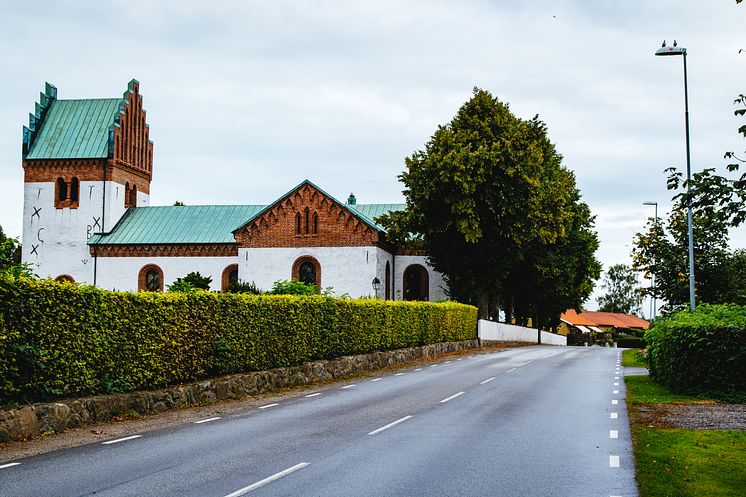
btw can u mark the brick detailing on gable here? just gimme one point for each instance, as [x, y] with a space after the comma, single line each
[277, 226]
[194, 250]
[48, 170]
[131, 147]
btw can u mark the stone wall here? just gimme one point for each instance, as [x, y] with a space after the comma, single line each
[44, 418]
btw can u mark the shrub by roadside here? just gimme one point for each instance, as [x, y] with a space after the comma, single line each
[698, 352]
[62, 339]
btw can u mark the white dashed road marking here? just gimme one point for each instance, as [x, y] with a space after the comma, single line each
[418, 369]
[269, 479]
[613, 461]
[615, 392]
[614, 402]
[206, 420]
[313, 394]
[376, 379]
[511, 370]
[398, 374]
[614, 415]
[486, 381]
[452, 397]
[121, 440]
[350, 386]
[267, 406]
[390, 425]
[613, 434]
[10, 464]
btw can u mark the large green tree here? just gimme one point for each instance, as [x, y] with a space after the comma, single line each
[623, 292]
[489, 201]
[10, 257]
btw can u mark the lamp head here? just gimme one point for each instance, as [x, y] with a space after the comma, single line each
[672, 50]
[650, 203]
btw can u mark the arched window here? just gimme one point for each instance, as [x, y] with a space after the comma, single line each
[127, 194]
[387, 282]
[306, 219]
[61, 187]
[74, 190]
[315, 223]
[416, 282]
[230, 275]
[133, 196]
[150, 279]
[65, 278]
[308, 270]
[297, 224]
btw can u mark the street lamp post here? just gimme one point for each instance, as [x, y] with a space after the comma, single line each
[376, 283]
[655, 225]
[676, 50]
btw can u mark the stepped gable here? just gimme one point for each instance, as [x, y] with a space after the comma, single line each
[67, 138]
[307, 216]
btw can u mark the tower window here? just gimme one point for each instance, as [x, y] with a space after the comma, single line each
[74, 191]
[133, 196]
[61, 190]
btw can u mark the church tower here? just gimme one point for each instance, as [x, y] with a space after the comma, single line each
[85, 162]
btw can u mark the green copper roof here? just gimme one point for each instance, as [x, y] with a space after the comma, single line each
[75, 129]
[372, 211]
[178, 224]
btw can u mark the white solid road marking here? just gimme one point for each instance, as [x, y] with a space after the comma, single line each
[452, 397]
[615, 392]
[120, 440]
[10, 464]
[269, 479]
[267, 406]
[613, 461]
[398, 374]
[614, 402]
[390, 425]
[376, 379]
[614, 415]
[511, 370]
[313, 394]
[486, 381]
[206, 420]
[350, 386]
[613, 434]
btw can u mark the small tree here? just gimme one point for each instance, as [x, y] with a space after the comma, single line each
[10, 257]
[623, 293]
[190, 282]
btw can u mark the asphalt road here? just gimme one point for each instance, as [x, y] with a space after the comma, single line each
[533, 421]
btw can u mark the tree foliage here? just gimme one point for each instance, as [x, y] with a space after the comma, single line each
[191, 282]
[497, 214]
[10, 257]
[623, 293]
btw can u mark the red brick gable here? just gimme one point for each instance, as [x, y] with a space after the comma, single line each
[132, 146]
[335, 225]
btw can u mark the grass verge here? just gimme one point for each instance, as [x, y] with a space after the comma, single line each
[632, 358]
[679, 462]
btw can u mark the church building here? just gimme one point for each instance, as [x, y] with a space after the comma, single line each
[88, 165]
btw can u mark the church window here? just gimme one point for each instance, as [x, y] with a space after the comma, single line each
[61, 190]
[65, 278]
[127, 194]
[307, 270]
[74, 191]
[297, 224]
[306, 219]
[150, 279]
[133, 196]
[230, 276]
[315, 223]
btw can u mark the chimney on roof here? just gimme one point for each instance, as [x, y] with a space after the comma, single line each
[351, 200]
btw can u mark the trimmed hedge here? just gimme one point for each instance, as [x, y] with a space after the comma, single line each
[699, 352]
[62, 339]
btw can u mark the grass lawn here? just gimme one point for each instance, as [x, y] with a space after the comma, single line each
[631, 358]
[678, 462]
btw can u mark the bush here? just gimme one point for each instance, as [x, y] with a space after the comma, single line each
[243, 287]
[293, 287]
[190, 282]
[62, 339]
[700, 352]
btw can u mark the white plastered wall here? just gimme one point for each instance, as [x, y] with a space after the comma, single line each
[121, 273]
[55, 240]
[347, 270]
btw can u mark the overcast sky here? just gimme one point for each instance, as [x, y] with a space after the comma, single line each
[247, 99]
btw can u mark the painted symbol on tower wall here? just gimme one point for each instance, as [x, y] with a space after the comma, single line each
[38, 192]
[34, 249]
[36, 213]
[38, 234]
[90, 191]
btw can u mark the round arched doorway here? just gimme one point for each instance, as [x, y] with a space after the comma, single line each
[416, 283]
